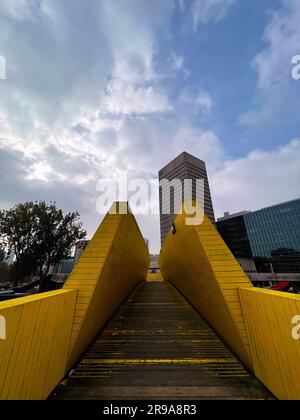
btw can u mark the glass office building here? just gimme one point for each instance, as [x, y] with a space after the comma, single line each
[233, 231]
[270, 236]
[274, 228]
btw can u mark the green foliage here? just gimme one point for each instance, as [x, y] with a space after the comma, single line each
[39, 235]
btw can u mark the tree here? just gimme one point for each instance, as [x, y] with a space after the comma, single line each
[2, 255]
[40, 236]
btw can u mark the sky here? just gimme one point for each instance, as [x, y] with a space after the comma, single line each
[97, 88]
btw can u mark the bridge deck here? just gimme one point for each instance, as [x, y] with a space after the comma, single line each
[157, 346]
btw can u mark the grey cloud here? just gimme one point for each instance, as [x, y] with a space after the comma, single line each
[55, 67]
[61, 56]
[276, 90]
[15, 187]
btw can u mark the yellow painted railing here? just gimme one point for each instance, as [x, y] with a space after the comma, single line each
[154, 277]
[197, 261]
[114, 262]
[259, 325]
[272, 320]
[47, 333]
[42, 336]
[34, 354]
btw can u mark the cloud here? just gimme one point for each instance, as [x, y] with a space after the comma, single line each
[54, 72]
[282, 35]
[205, 11]
[67, 65]
[201, 100]
[59, 62]
[18, 9]
[177, 64]
[181, 5]
[258, 180]
[84, 99]
[204, 100]
[277, 97]
[126, 99]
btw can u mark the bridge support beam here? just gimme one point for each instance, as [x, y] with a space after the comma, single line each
[114, 262]
[200, 265]
[45, 334]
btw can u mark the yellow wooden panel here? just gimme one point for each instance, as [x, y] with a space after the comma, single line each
[34, 354]
[276, 355]
[154, 277]
[108, 280]
[197, 261]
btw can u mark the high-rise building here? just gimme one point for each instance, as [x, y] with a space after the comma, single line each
[183, 167]
[146, 242]
[270, 236]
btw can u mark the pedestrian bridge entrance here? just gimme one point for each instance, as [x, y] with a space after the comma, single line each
[202, 332]
[158, 346]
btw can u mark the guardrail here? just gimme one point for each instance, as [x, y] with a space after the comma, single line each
[48, 332]
[34, 351]
[259, 325]
[113, 263]
[197, 261]
[274, 337]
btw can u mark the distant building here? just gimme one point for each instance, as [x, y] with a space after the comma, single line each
[64, 267]
[233, 230]
[9, 258]
[154, 266]
[146, 242]
[270, 237]
[184, 166]
[79, 248]
[60, 272]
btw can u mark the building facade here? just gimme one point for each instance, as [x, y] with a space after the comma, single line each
[233, 230]
[79, 248]
[271, 236]
[183, 167]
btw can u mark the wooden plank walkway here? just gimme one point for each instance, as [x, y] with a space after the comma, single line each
[158, 347]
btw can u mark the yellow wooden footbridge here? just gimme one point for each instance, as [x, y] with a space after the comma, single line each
[202, 331]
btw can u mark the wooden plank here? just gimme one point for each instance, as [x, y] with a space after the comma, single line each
[156, 337]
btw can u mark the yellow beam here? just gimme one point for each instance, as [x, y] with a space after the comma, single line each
[198, 262]
[34, 354]
[275, 349]
[154, 277]
[114, 262]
